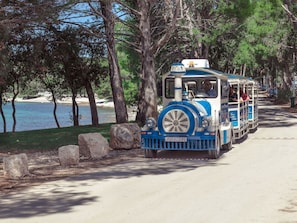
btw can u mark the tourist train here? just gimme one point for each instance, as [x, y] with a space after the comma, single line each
[203, 110]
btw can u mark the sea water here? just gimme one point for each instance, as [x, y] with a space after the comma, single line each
[33, 116]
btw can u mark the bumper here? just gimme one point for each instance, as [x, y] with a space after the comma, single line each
[152, 140]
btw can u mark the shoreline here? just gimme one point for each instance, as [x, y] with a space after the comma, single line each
[83, 101]
[67, 100]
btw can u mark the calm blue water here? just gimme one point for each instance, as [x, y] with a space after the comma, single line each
[32, 116]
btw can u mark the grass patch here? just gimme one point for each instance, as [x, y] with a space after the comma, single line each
[47, 139]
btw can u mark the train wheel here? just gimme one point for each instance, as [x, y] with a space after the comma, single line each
[233, 140]
[214, 154]
[228, 146]
[150, 153]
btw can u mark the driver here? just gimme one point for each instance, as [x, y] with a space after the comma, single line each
[209, 89]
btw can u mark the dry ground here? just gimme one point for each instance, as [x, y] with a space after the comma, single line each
[45, 166]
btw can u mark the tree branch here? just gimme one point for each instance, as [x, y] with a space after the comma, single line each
[161, 42]
[135, 12]
[292, 17]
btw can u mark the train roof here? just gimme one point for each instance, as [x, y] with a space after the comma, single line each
[200, 67]
[236, 76]
[203, 72]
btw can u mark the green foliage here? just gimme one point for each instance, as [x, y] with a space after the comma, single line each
[262, 36]
[131, 91]
[129, 63]
[129, 59]
[244, 54]
[104, 89]
[239, 9]
[130, 87]
[32, 88]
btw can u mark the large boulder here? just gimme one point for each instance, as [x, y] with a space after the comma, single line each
[93, 145]
[124, 136]
[69, 155]
[15, 166]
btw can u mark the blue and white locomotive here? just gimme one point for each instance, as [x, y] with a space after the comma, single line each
[195, 113]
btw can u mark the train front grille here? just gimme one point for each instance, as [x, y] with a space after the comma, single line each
[190, 144]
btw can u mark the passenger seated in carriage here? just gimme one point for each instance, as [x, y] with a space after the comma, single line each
[243, 96]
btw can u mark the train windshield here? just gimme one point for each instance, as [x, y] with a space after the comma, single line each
[205, 87]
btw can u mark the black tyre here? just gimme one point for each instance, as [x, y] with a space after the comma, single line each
[150, 153]
[214, 154]
[228, 146]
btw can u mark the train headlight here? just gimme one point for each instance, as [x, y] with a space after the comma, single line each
[205, 123]
[150, 123]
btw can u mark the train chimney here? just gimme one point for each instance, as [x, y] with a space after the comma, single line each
[178, 70]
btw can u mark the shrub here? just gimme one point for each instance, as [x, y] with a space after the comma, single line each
[283, 96]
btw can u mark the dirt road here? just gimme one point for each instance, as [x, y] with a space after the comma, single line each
[254, 182]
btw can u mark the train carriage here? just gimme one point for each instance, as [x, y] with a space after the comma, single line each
[238, 106]
[252, 91]
[195, 114]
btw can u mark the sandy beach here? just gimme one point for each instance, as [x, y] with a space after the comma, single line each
[68, 100]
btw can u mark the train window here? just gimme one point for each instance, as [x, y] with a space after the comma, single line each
[201, 87]
[169, 87]
[224, 89]
[209, 87]
[190, 87]
[249, 90]
[197, 87]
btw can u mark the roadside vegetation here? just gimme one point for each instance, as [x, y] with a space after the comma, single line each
[119, 49]
[47, 139]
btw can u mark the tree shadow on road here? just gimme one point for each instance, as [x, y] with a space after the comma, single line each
[272, 116]
[23, 205]
[63, 198]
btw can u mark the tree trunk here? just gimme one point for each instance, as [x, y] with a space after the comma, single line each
[286, 77]
[147, 104]
[13, 114]
[92, 101]
[15, 94]
[55, 108]
[243, 69]
[75, 111]
[115, 76]
[2, 113]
